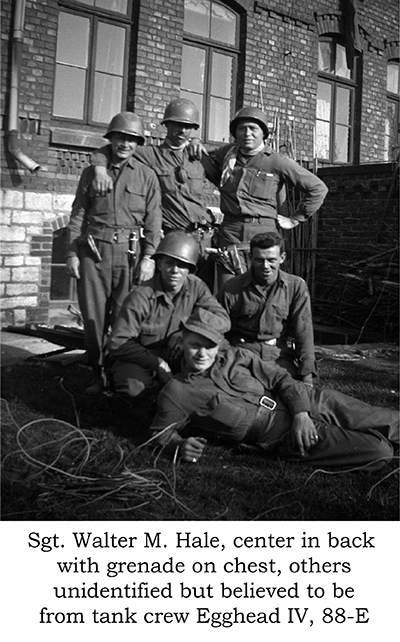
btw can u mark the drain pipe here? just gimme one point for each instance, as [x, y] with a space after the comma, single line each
[13, 143]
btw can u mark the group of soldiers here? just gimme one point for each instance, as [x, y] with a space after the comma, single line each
[232, 349]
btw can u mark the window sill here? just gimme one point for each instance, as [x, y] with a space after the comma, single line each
[75, 138]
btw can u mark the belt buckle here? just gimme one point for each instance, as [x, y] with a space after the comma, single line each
[268, 403]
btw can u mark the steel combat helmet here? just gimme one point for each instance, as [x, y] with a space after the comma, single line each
[182, 110]
[181, 246]
[127, 123]
[250, 113]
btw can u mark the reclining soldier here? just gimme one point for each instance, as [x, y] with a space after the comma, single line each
[145, 345]
[231, 393]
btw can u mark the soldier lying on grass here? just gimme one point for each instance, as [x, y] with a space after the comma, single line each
[231, 393]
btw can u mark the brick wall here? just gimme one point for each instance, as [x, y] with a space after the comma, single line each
[358, 199]
[27, 223]
[357, 258]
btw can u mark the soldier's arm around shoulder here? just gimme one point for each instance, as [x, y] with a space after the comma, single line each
[100, 159]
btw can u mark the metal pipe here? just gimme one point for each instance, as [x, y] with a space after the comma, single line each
[13, 143]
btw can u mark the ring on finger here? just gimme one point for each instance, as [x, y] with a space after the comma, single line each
[194, 460]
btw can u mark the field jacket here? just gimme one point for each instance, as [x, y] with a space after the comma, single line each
[149, 318]
[253, 188]
[228, 393]
[135, 202]
[182, 183]
[283, 312]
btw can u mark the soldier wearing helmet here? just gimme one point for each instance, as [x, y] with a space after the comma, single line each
[146, 342]
[181, 176]
[251, 178]
[113, 237]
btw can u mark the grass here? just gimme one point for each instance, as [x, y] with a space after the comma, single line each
[98, 472]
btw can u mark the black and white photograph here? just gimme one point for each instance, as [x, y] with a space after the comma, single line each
[200, 309]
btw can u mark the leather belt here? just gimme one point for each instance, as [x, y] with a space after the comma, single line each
[114, 233]
[258, 427]
[248, 219]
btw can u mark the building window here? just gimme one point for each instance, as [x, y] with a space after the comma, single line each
[392, 120]
[209, 65]
[91, 61]
[335, 103]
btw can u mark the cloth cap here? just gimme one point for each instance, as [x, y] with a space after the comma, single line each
[207, 324]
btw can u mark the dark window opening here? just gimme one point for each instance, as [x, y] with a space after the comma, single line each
[62, 286]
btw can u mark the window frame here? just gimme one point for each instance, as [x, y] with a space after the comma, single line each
[392, 98]
[95, 16]
[212, 46]
[339, 82]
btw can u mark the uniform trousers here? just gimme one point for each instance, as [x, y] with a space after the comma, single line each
[102, 289]
[350, 432]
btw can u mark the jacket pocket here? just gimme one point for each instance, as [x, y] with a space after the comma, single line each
[136, 198]
[167, 181]
[260, 183]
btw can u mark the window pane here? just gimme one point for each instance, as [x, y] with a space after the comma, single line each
[73, 40]
[69, 92]
[393, 77]
[107, 97]
[221, 75]
[193, 69]
[223, 24]
[198, 101]
[342, 106]
[197, 17]
[218, 122]
[110, 49]
[324, 98]
[341, 68]
[322, 139]
[342, 136]
[113, 5]
[325, 57]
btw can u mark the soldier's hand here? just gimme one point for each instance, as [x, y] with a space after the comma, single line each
[102, 182]
[304, 431]
[196, 149]
[192, 449]
[164, 371]
[145, 270]
[73, 267]
[287, 223]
